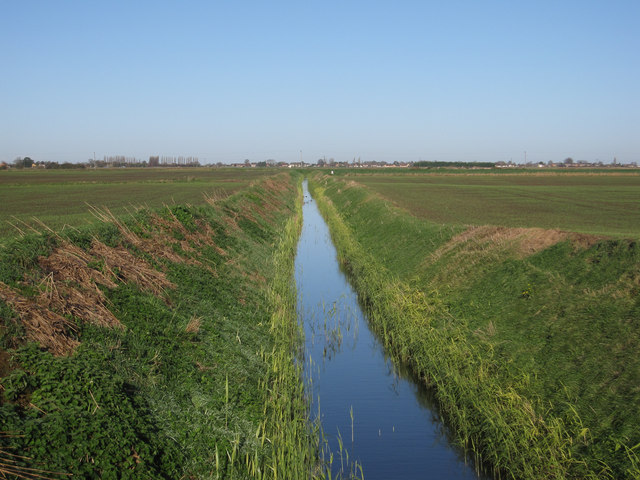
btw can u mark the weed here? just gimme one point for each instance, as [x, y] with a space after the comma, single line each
[527, 292]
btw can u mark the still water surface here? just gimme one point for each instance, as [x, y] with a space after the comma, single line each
[385, 420]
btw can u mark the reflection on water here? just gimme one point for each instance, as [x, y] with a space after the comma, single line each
[385, 421]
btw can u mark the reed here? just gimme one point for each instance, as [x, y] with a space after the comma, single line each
[294, 445]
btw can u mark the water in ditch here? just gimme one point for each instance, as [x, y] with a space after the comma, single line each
[368, 407]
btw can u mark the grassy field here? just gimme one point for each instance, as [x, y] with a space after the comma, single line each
[60, 197]
[162, 345]
[529, 337]
[600, 203]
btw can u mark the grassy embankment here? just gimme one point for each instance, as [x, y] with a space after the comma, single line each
[59, 197]
[529, 339]
[160, 346]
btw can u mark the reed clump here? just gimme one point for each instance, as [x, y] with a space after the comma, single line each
[294, 443]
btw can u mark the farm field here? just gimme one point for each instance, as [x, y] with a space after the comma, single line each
[60, 197]
[600, 203]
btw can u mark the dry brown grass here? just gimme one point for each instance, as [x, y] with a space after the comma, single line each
[84, 304]
[155, 245]
[231, 222]
[214, 196]
[479, 245]
[131, 268]
[521, 242]
[270, 200]
[72, 277]
[50, 330]
[194, 325]
[486, 333]
[159, 236]
[163, 228]
[276, 185]
[71, 286]
[70, 263]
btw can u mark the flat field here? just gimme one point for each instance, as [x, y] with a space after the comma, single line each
[60, 197]
[600, 203]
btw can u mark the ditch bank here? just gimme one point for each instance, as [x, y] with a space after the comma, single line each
[377, 421]
[523, 415]
[161, 345]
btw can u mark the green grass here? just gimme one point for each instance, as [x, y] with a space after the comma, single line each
[130, 175]
[59, 198]
[201, 383]
[595, 203]
[531, 353]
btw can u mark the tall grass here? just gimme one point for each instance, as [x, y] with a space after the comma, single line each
[294, 446]
[298, 448]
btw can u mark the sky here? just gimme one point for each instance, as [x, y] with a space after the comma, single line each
[388, 81]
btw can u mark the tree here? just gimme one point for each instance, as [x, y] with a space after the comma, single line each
[568, 161]
[25, 162]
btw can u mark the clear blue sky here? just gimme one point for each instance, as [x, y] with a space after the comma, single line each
[402, 80]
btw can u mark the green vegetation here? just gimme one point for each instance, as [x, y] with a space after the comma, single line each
[59, 197]
[528, 337]
[162, 343]
[158, 346]
[600, 203]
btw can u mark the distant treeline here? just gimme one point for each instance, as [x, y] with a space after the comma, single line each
[107, 161]
[27, 162]
[455, 164]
